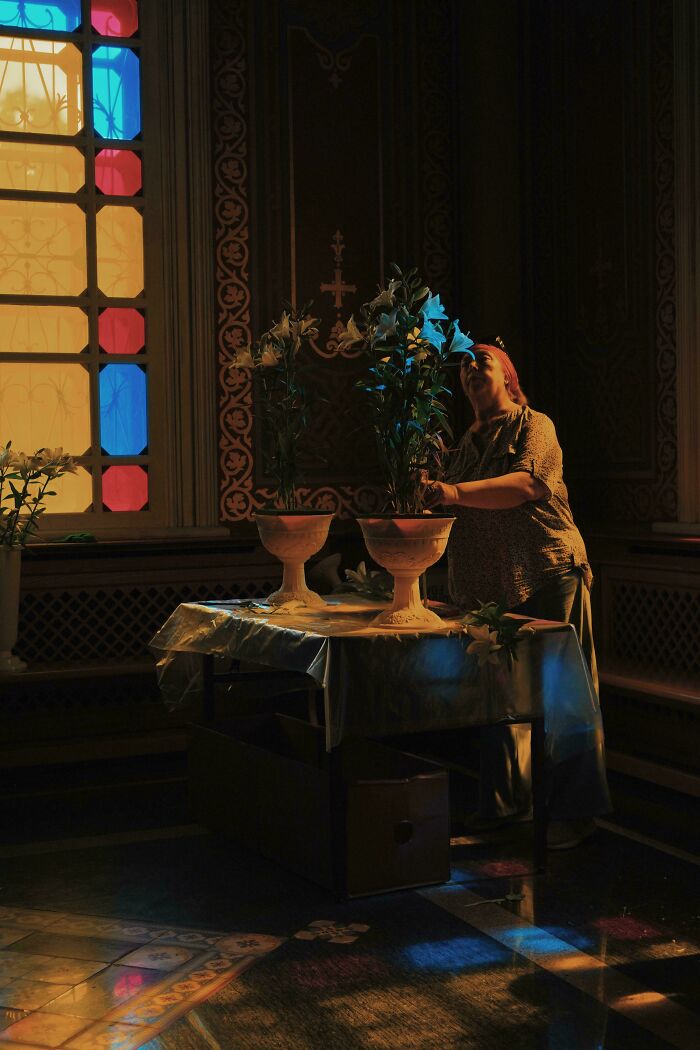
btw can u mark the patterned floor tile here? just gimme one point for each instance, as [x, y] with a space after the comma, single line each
[112, 1037]
[24, 994]
[63, 971]
[99, 949]
[28, 917]
[12, 1045]
[8, 1017]
[16, 964]
[109, 984]
[44, 1028]
[102, 993]
[10, 935]
[158, 957]
[91, 926]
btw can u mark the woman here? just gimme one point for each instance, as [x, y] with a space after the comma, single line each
[515, 540]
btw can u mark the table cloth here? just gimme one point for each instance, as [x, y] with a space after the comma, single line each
[378, 682]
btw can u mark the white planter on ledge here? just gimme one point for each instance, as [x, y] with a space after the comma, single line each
[10, 567]
[294, 536]
[406, 545]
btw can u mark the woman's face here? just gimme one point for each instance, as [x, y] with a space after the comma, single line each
[482, 378]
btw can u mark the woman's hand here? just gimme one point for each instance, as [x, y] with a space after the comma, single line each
[437, 492]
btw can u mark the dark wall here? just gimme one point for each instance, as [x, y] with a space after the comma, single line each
[599, 251]
[519, 153]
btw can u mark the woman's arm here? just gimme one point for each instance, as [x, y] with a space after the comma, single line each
[503, 493]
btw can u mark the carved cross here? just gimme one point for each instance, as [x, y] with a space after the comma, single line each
[338, 287]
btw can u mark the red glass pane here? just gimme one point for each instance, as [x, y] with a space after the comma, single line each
[115, 17]
[122, 330]
[118, 172]
[125, 488]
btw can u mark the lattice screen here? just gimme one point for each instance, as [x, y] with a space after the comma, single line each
[110, 623]
[655, 625]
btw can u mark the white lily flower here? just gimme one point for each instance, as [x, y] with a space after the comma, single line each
[25, 464]
[351, 335]
[269, 358]
[485, 645]
[281, 329]
[243, 359]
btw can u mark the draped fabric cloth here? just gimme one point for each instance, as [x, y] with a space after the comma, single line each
[378, 683]
[577, 783]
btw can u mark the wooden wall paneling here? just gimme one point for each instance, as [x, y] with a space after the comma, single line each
[602, 282]
[331, 139]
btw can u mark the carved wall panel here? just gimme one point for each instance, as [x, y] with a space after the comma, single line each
[602, 345]
[331, 132]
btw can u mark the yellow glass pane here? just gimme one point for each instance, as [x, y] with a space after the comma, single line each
[120, 252]
[34, 166]
[73, 493]
[42, 248]
[42, 330]
[40, 86]
[45, 405]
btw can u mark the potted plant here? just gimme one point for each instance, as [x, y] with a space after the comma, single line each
[24, 487]
[288, 530]
[408, 339]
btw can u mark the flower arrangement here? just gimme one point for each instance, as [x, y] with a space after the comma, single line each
[274, 359]
[372, 584]
[24, 487]
[495, 634]
[408, 338]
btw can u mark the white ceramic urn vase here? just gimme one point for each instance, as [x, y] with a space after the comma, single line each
[10, 567]
[406, 545]
[293, 536]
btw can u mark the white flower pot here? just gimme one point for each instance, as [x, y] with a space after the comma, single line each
[10, 566]
[406, 545]
[293, 537]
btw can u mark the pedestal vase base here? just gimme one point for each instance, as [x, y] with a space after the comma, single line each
[406, 618]
[304, 595]
[11, 664]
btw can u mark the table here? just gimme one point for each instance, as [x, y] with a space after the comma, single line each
[379, 682]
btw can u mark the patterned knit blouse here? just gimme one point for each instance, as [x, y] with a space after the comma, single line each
[510, 554]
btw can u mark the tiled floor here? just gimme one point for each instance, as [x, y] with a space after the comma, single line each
[119, 941]
[83, 982]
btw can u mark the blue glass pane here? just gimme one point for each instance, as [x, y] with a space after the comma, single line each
[116, 98]
[123, 413]
[60, 15]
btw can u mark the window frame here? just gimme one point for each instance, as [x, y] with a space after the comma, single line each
[178, 274]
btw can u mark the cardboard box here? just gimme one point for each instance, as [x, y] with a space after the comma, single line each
[365, 820]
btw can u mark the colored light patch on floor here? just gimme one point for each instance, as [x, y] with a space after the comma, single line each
[626, 928]
[82, 981]
[648, 1009]
[455, 955]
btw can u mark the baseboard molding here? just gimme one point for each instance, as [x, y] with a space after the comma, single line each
[654, 772]
[92, 749]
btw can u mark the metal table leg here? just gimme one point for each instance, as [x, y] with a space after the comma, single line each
[539, 795]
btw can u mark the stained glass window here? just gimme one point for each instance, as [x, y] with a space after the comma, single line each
[74, 356]
[115, 93]
[115, 17]
[60, 16]
[43, 329]
[119, 251]
[122, 330]
[34, 166]
[125, 488]
[42, 250]
[123, 422]
[42, 86]
[118, 172]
